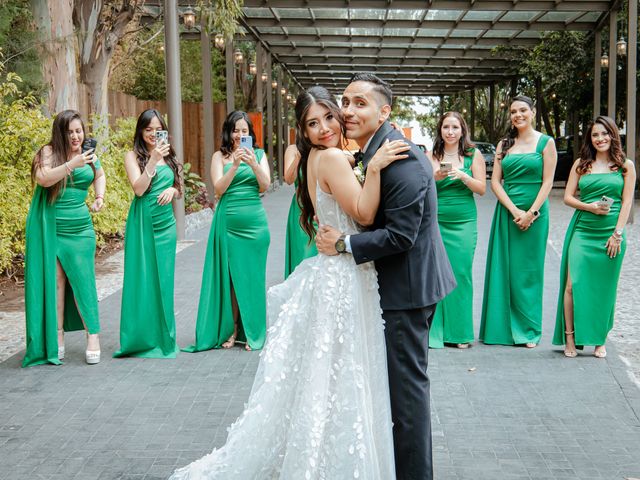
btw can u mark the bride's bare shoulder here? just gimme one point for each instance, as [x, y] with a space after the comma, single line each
[333, 155]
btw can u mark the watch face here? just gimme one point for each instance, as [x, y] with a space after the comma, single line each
[341, 247]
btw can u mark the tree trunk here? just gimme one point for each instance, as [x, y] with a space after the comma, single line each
[58, 52]
[101, 25]
[545, 118]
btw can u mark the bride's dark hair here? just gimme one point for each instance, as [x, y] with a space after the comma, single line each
[321, 96]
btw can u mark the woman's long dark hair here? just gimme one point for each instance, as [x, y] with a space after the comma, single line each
[321, 96]
[229, 125]
[588, 151]
[508, 141]
[142, 154]
[465, 146]
[60, 150]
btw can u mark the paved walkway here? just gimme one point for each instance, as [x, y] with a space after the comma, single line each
[498, 412]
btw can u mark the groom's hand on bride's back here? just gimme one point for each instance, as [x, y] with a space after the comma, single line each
[326, 239]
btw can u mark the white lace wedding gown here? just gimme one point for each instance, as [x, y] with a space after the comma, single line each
[319, 406]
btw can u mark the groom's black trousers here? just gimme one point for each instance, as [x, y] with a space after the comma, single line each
[407, 338]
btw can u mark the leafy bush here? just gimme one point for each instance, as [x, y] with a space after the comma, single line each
[193, 189]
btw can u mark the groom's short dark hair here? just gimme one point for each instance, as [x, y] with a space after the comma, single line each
[381, 87]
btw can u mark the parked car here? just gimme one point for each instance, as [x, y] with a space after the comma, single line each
[488, 151]
[564, 147]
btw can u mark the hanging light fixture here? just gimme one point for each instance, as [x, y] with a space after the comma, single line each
[253, 69]
[189, 17]
[554, 96]
[288, 97]
[502, 105]
[604, 61]
[621, 47]
[464, 110]
[237, 56]
[283, 91]
[274, 84]
[218, 41]
[263, 77]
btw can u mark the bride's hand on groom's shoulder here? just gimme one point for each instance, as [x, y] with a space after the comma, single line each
[388, 153]
[326, 239]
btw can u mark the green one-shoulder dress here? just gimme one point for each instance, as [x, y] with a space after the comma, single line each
[60, 231]
[147, 321]
[297, 244]
[457, 219]
[236, 256]
[514, 276]
[584, 255]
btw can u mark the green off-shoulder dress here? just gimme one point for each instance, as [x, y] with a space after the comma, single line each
[594, 275]
[147, 321]
[457, 218]
[61, 231]
[236, 255]
[297, 244]
[513, 282]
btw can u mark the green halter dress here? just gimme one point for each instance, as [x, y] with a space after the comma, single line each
[514, 276]
[297, 244]
[60, 231]
[236, 255]
[457, 218]
[147, 321]
[594, 275]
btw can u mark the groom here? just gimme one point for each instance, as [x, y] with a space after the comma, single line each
[413, 269]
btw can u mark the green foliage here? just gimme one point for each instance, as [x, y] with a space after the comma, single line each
[18, 41]
[140, 69]
[221, 15]
[193, 187]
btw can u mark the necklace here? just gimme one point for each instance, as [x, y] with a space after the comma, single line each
[447, 154]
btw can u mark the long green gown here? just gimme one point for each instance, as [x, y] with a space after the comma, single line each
[63, 231]
[513, 283]
[457, 218]
[594, 275]
[297, 244]
[236, 254]
[147, 321]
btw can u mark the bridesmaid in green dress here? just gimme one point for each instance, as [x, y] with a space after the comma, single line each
[594, 245]
[297, 246]
[512, 303]
[148, 328]
[60, 280]
[459, 171]
[233, 292]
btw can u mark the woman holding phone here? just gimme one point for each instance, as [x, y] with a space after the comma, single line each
[594, 245]
[298, 246]
[233, 292]
[147, 321]
[60, 279]
[459, 171]
[525, 161]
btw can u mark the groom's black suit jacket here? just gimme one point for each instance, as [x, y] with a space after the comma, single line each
[404, 240]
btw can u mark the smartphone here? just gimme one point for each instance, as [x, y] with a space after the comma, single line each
[162, 136]
[246, 142]
[89, 144]
[445, 166]
[606, 201]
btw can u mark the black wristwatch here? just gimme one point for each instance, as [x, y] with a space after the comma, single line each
[535, 213]
[341, 245]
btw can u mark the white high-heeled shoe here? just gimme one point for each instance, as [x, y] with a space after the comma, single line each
[60, 352]
[92, 357]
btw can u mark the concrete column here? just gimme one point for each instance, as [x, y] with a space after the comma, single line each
[492, 111]
[514, 87]
[230, 75]
[207, 106]
[597, 73]
[631, 80]
[269, 131]
[441, 106]
[174, 97]
[259, 84]
[279, 140]
[539, 103]
[472, 111]
[613, 39]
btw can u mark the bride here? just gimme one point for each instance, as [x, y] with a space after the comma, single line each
[319, 406]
